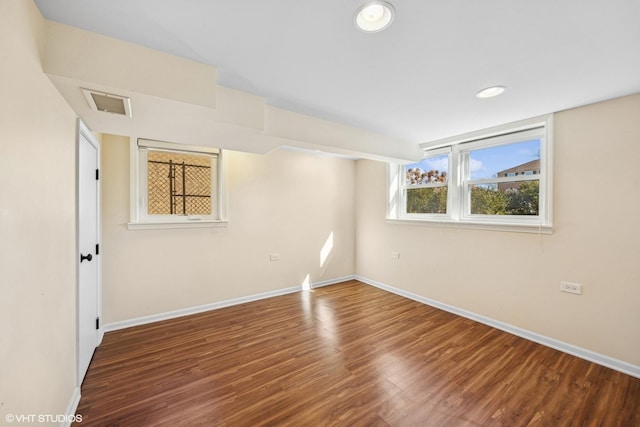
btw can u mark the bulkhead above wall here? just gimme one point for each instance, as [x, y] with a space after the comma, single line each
[177, 100]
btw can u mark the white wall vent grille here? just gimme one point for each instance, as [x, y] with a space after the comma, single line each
[108, 102]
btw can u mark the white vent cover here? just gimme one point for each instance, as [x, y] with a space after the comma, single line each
[108, 102]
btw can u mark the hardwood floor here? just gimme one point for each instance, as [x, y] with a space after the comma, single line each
[344, 355]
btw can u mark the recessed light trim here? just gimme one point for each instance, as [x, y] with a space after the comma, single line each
[490, 92]
[374, 16]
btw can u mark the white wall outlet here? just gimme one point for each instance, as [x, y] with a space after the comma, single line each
[572, 288]
[395, 255]
[274, 257]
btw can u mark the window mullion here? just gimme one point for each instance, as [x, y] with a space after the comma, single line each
[461, 167]
[519, 178]
[429, 185]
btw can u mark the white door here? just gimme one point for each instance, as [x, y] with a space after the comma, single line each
[88, 247]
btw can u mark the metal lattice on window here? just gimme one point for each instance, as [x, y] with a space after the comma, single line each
[178, 183]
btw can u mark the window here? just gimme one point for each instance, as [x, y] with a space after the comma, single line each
[498, 179]
[493, 176]
[426, 185]
[175, 185]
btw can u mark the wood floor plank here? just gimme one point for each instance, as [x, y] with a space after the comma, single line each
[344, 355]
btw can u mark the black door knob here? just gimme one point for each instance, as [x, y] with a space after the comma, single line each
[88, 257]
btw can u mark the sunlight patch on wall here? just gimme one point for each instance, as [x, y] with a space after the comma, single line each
[326, 249]
[394, 186]
[306, 283]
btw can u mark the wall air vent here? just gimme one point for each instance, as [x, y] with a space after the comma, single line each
[108, 102]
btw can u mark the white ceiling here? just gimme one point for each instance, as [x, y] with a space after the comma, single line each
[414, 81]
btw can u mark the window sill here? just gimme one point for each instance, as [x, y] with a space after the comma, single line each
[175, 225]
[493, 226]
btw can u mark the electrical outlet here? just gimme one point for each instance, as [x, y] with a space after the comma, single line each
[274, 257]
[572, 288]
[395, 255]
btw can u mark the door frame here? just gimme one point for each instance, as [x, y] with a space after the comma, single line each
[83, 131]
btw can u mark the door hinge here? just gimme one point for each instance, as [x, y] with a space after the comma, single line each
[97, 248]
[97, 174]
[97, 323]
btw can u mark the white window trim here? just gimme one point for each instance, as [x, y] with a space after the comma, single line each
[445, 151]
[457, 209]
[138, 220]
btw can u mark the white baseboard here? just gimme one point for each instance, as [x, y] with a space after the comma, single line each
[71, 408]
[332, 281]
[600, 359]
[108, 327]
[580, 352]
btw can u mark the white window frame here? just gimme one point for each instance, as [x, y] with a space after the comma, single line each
[141, 220]
[458, 195]
[440, 152]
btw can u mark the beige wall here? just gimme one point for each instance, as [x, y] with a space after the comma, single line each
[515, 277]
[289, 202]
[284, 202]
[37, 224]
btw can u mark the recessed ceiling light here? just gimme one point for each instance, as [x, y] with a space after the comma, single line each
[374, 16]
[490, 92]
